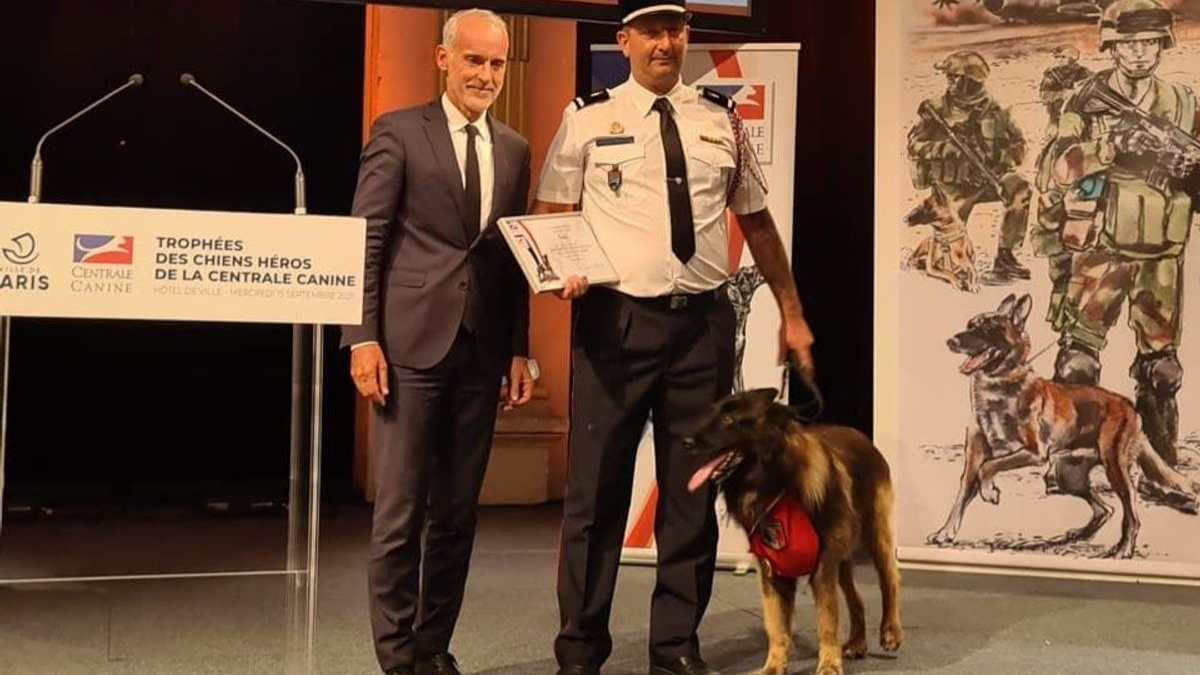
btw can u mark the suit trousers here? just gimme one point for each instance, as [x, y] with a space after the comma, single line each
[636, 360]
[431, 444]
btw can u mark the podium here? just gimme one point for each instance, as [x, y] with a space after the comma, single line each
[89, 262]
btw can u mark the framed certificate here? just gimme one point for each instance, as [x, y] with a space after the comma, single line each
[553, 246]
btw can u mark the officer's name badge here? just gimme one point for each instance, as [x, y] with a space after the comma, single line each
[614, 140]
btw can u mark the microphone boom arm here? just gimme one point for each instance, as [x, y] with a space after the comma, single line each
[187, 79]
[35, 173]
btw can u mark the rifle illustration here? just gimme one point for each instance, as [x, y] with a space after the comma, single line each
[926, 111]
[1097, 97]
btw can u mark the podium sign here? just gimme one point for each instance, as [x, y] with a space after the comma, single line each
[135, 263]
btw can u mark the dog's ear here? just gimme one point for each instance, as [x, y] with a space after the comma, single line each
[764, 396]
[1021, 311]
[1006, 305]
[936, 192]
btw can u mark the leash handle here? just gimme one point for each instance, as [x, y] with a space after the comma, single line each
[791, 363]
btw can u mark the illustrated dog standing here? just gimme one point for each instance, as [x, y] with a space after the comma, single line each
[948, 253]
[756, 450]
[1023, 420]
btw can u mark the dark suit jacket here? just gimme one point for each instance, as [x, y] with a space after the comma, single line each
[423, 267]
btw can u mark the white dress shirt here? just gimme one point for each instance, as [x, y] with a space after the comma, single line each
[608, 156]
[483, 150]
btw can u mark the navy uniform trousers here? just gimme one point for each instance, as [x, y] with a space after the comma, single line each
[636, 359]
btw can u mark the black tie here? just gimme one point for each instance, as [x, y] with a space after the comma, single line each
[683, 232]
[474, 196]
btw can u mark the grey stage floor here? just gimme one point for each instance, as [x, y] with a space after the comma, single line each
[956, 624]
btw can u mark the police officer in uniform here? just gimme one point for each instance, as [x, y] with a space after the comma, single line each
[1133, 254]
[653, 164]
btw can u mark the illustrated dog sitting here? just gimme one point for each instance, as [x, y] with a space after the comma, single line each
[758, 452]
[1023, 420]
[948, 253]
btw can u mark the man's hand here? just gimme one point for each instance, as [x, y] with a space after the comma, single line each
[520, 384]
[573, 287]
[796, 338]
[369, 370]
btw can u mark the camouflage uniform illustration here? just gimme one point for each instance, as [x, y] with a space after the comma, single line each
[1060, 79]
[964, 141]
[1122, 165]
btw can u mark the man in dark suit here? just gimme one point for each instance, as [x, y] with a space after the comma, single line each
[445, 319]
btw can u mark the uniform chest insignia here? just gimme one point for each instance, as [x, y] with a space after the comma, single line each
[614, 178]
[710, 139]
[616, 128]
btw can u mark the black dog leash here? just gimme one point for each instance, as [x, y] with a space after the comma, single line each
[818, 400]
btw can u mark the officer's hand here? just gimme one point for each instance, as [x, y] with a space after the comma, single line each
[1135, 141]
[369, 369]
[795, 343]
[573, 287]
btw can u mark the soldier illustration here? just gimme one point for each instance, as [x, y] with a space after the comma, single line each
[1059, 80]
[966, 142]
[1120, 213]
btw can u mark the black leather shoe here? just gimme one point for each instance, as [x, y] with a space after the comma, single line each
[438, 664]
[399, 670]
[578, 670]
[684, 665]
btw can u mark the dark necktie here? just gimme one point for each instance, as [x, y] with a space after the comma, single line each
[474, 196]
[683, 229]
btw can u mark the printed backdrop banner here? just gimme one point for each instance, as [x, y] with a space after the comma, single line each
[993, 157]
[762, 78]
[132, 263]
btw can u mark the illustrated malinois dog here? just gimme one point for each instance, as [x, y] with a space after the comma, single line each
[1023, 420]
[758, 451]
[948, 253]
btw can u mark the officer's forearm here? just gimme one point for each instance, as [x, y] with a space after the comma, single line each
[771, 258]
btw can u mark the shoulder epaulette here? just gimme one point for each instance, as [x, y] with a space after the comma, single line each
[718, 98]
[594, 97]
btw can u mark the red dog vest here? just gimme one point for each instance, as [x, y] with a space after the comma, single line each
[785, 539]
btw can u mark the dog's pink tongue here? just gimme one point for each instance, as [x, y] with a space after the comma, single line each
[704, 473]
[972, 363]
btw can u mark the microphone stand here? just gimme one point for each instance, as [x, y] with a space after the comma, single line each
[35, 196]
[307, 383]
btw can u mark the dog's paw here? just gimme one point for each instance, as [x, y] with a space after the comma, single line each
[829, 668]
[989, 493]
[772, 669]
[891, 636]
[1123, 550]
[855, 649]
[941, 537]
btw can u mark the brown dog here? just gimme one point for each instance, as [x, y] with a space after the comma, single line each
[756, 450]
[948, 253]
[1023, 420]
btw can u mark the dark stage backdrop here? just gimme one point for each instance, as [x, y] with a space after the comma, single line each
[143, 413]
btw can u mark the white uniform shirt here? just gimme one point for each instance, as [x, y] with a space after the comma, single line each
[483, 149]
[609, 156]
